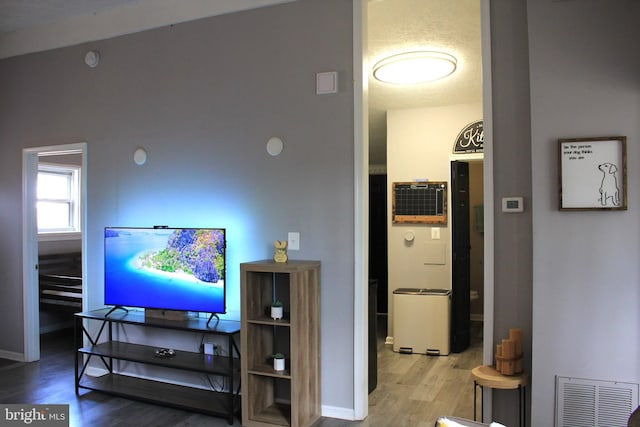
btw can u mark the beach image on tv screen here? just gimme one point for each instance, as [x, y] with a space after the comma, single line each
[173, 269]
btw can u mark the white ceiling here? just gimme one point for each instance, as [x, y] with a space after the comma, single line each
[393, 26]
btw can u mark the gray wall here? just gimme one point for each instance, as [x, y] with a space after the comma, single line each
[203, 98]
[569, 278]
[512, 177]
[585, 82]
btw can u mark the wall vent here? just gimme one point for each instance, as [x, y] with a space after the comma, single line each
[594, 403]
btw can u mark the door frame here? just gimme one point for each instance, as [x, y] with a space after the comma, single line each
[361, 213]
[30, 292]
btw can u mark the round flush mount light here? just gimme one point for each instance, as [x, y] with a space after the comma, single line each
[92, 58]
[415, 67]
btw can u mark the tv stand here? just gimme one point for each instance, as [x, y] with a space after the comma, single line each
[104, 348]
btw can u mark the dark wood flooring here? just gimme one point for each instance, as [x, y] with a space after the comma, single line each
[412, 390]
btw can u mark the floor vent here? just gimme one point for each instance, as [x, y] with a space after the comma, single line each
[594, 403]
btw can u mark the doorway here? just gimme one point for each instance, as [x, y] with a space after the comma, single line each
[482, 308]
[31, 158]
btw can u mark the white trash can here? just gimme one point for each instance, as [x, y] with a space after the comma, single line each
[421, 321]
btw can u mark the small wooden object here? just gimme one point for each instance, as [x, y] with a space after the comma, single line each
[509, 353]
[515, 334]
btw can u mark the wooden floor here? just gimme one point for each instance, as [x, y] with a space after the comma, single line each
[412, 390]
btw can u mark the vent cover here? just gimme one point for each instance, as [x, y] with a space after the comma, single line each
[594, 403]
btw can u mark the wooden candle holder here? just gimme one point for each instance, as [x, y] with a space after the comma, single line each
[509, 354]
[509, 365]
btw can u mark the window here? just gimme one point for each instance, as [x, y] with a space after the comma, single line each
[58, 193]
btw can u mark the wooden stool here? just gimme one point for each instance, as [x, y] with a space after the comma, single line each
[487, 376]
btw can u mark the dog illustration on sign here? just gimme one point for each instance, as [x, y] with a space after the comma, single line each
[609, 191]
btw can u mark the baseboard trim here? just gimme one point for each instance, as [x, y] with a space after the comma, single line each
[11, 355]
[389, 340]
[338, 412]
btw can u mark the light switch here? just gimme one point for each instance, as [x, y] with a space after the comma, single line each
[293, 241]
[435, 233]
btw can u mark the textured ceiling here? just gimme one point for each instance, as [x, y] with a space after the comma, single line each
[452, 26]
[394, 26]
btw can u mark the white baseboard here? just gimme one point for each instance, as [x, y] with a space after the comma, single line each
[11, 355]
[389, 340]
[338, 412]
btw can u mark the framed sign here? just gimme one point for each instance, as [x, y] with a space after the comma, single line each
[593, 173]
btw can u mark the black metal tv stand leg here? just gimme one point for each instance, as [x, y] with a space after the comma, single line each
[211, 318]
[117, 307]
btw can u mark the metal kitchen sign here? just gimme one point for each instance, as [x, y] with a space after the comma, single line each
[470, 139]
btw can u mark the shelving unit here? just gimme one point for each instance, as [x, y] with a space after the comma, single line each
[107, 350]
[269, 397]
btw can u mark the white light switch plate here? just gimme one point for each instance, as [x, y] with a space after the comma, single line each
[435, 233]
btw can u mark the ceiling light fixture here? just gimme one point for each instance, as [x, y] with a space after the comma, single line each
[415, 67]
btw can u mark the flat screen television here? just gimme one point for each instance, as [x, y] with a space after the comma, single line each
[165, 268]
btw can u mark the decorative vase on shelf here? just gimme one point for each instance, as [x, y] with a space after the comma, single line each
[278, 362]
[277, 310]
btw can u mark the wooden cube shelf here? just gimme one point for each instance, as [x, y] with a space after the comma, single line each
[290, 397]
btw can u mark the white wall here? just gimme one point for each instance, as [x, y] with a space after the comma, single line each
[419, 146]
[585, 81]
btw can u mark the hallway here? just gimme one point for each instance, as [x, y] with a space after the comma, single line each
[414, 389]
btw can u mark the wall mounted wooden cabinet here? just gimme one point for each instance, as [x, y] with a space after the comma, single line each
[290, 397]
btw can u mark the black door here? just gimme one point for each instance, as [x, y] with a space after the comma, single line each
[461, 281]
[378, 237]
